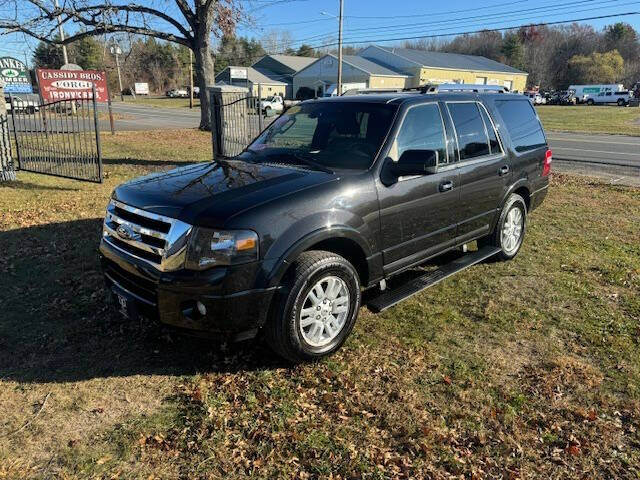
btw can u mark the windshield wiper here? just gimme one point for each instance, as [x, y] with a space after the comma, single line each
[306, 159]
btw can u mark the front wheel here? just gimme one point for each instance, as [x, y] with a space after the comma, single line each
[621, 102]
[590, 102]
[510, 229]
[315, 311]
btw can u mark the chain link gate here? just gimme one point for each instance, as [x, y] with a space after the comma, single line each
[59, 138]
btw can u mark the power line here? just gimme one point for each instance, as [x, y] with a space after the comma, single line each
[499, 22]
[541, 9]
[463, 22]
[513, 27]
[240, 60]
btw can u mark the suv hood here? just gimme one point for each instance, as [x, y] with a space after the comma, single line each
[208, 194]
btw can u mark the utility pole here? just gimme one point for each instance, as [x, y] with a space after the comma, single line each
[116, 51]
[340, 49]
[64, 47]
[190, 78]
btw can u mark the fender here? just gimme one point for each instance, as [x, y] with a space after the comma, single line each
[274, 276]
[521, 182]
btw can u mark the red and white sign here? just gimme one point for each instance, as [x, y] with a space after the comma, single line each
[71, 84]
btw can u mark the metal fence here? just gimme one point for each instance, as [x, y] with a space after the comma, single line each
[7, 171]
[60, 138]
[237, 119]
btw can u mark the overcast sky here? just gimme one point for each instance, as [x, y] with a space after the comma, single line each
[373, 21]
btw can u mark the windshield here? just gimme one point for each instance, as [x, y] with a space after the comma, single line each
[334, 135]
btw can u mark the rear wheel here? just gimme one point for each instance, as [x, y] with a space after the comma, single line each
[590, 101]
[510, 229]
[316, 309]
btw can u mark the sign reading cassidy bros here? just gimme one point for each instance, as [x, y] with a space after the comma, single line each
[15, 75]
[72, 84]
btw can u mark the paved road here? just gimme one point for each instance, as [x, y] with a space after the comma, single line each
[608, 149]
[614, 158]
[153, 118]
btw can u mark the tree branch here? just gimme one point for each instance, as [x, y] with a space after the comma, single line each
[131, 8]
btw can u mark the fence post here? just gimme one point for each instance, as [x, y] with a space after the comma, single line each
[260, 121]
[7, 172]
[97, 128]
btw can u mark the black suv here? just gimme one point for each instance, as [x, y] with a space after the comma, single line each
[335, 196]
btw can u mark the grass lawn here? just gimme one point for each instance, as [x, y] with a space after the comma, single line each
[595, 119]
[165, 102]
[525, 369]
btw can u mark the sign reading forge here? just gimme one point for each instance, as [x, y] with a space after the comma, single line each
[15, 76]
[72, 84]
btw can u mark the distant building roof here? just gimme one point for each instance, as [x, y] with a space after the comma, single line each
[456, 61]
[254, 76]
[370, 66]
[293, 62]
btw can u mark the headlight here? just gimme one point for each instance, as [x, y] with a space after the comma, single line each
[213, 248]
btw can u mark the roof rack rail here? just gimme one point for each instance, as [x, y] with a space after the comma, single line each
[458, 87]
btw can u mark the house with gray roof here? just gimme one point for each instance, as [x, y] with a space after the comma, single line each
[425, 67]
[320, 78]
[250, 77]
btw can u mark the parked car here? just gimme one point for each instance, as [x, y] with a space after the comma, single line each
[620, 98]
[21, 104]
[535, 98]
[335, 196]
[178, 93]
[272, 104]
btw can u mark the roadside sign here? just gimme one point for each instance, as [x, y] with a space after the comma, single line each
[141, 88]
[240, 73]
[69, 84]
[15, 76]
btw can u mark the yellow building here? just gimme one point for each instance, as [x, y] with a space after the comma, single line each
[423, 67]
[357, 72]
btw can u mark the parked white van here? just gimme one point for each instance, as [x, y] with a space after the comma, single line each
[621, 98]
[583, 92]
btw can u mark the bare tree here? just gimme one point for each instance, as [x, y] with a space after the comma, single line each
[192, 23]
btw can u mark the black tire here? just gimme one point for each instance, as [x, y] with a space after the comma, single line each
[621, 102]
[495, 239]
[283, 332]
[590, 101]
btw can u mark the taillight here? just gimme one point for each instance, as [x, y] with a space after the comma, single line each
[546, 166]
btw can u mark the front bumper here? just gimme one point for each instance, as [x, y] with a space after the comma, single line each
[234, 307]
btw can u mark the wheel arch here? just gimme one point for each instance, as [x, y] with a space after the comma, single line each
[343, 241]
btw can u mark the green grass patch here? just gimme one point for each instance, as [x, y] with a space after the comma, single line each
[591, 119]
[523, 369]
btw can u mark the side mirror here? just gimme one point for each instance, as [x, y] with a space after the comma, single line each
[416, 162]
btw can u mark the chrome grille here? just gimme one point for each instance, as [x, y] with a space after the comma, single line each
[156, 239]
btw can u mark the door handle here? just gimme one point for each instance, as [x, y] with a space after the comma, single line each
[445, 186]
[503, 170]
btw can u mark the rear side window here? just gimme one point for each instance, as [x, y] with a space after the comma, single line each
[472, 136]
[522, 124]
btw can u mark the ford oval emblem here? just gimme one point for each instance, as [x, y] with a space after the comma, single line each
[126, 232]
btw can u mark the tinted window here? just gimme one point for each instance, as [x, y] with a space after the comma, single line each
[491, 132]
[335, 134]
[522, 124]
[421, 130]
[472, 137]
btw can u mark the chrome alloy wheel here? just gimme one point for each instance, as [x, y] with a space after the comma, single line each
[512, 230]
[324, 311]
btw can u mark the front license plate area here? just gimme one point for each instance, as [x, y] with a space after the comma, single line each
[125, 304]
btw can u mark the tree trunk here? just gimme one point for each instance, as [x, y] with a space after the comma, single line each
[204, 62]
